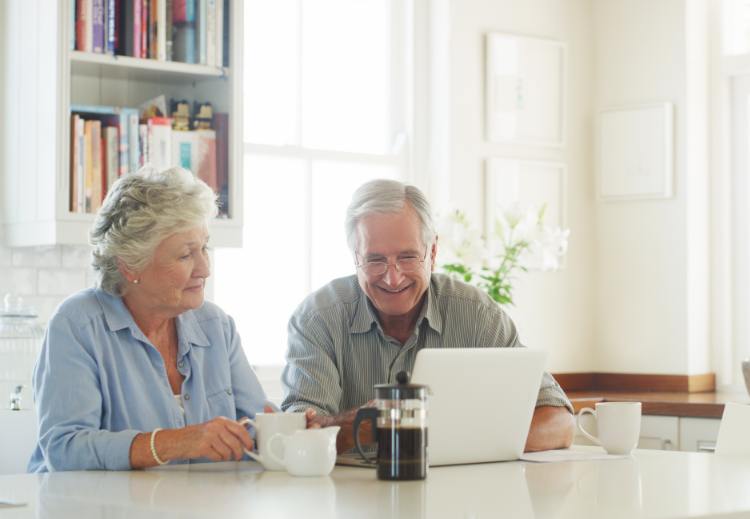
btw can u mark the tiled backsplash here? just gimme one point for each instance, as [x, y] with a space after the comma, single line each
[45, 276]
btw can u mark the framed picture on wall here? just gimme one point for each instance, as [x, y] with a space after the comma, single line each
[524, 185]
[635, 152]
[525, 90]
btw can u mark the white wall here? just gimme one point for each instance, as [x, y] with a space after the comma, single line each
[651, 310]
[553, 311]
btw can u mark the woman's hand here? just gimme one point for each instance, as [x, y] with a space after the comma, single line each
[220, 439]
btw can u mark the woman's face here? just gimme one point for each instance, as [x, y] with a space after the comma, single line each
[173, 281]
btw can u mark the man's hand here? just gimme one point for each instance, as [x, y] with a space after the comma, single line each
[551, 428]
[345, 420]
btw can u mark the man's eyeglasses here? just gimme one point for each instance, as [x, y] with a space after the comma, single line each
[404, 264]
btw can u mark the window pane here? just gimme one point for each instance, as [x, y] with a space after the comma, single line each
[332, 186]
[345, 75]
[736, 26]
[271, 65]
[260, 284]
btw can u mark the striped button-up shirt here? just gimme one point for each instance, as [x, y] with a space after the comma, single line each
[338, 351]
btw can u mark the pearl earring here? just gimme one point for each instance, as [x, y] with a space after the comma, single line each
[136, 281]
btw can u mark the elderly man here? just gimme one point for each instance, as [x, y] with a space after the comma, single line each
[361, 330]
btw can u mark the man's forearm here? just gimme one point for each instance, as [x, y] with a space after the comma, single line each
[551, 428]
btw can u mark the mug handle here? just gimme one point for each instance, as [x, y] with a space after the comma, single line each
[249, 421]
[586, 410]
[364, 413]
[271, 454]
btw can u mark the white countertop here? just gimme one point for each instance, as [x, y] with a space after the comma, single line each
[654, 484]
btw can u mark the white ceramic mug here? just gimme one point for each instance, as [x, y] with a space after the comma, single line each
[618, 425]
[311, 452]
[266, 426]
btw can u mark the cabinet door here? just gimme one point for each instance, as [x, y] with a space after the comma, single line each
[659, 432]
[18, 434]
[699, 434]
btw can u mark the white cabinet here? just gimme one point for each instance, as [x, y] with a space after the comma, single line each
[659, 432]
[43, 77]
[699, 434]
[666, 433]
[18, 434]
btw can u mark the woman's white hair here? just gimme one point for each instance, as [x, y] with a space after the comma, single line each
[387, 196]
[140, 210]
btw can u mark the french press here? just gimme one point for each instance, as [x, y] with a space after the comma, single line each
[399, 421]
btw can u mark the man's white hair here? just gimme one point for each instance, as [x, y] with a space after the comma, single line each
[387, 196]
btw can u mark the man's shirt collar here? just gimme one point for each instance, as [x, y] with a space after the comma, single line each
[365, 315]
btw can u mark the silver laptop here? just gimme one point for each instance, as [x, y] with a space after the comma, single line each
[480, 405]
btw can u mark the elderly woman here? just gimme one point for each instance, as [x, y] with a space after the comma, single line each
[141, 371]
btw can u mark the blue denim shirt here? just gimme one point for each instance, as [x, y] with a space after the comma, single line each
[99, 381]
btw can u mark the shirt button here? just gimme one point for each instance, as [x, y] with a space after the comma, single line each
[181, 364]
[229, 391]
[187, 396]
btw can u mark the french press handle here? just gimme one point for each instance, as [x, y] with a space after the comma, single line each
[363, 414]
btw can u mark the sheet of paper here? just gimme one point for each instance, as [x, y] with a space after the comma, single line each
[568, 455]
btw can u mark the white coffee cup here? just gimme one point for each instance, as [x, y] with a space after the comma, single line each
[266, 426]
[618, 425]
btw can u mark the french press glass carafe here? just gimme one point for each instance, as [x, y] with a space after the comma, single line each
[399, 421]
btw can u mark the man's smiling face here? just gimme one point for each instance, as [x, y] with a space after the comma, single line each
[389, 237]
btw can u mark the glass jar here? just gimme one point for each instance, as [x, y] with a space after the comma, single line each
[20, 342]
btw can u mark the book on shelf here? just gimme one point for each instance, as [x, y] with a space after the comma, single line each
[83, 27]
[107, 142]
[110, 27]
[192, 31]
[97, 26]
[160, 142]
[76, 165]
[111, 162]
[183, 46]
[221, 127]
[195, 151]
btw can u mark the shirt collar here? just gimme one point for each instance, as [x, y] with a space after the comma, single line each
[118, 317]
[365, 315]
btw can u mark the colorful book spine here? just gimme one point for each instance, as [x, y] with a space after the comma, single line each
[219, 33]
[211, 33]
[136, 27]
[144, 156]
[221, 126]
[75, 151]
[96, 166]
[144, 28]
[130, 118]
[112, 153]
[83, 17]
[110, 27]
[88, 166]
[184, 43]
[206, 169]
[183, 11]
[97, 15]
[80, 132]
[225, 28]
[201, 22]
[153, 29]
[169, 31]
[160, 142]
[161, 31]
